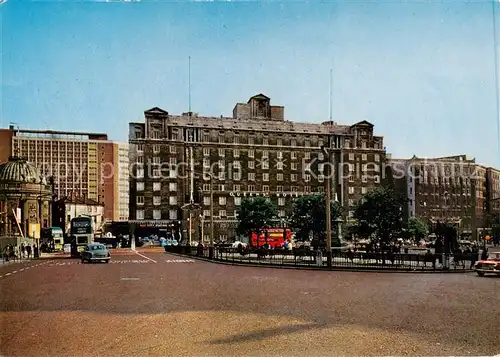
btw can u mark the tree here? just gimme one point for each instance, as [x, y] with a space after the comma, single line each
[379, 215]
[418, 228]
[254, 215]
[309, 216]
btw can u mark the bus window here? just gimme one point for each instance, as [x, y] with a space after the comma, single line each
[82, 240]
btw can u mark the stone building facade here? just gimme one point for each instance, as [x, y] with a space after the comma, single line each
[254, 153]
[25, 201]
[454, 189]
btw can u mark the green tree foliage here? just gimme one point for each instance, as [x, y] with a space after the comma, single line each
[418, 228]
[254, 215]
[309, 216]
[379, 215]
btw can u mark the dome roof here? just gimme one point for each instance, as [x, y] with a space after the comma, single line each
[19, 170]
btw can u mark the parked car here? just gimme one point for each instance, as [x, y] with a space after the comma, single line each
[488, 266]
[237, 244]
[95, 252]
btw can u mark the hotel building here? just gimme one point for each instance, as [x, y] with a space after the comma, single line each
[256, 152]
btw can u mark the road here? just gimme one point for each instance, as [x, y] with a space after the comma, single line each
[156, 304]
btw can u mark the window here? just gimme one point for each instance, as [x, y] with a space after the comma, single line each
[265, 141]
[279, 177]
[206, 213]
[265, 154]
[377, 158]
[156, 160]
[222, 201]
[206, 201]
[351, 178]
[279, 188]
[251, 164]
[364, 157]
[279, 165]
[307, 177]
[140, 147]
[139, 214]
[321, 167]
[293, 177]
[321, 178]
[237, 176]
[172, 186]
[206, 151]
[156, 214]
[139, 186]
[206, 162]
[347, 143]
[140, 159]
[156, 200]
[206, 187]
[364, 179]
[281, 201]
[237, 201]
[293, 155]
[236, 139]
[221, 138]
[140, 200]
[307, 188]
[140, 173]
[206, 138]
[279, 155]
[363, 190]
[363, 144]
[251, 140]
[172, 214]
[307, 143]
[307, 155]
[173, 161]
[172, 200]
[173, 174]
[265, 177]
[222, 175]
[351, 190]
[156, 186]
[222, 152]
[265, 165]
[222, 213]
[321, 156]
[377, 179]
[251, 176]
[236, 188]
[351, 202]
[251, 153]
[156, 149]
[351, 156]
[279, 142]
[293, 142]
[251, 188]
[265, 188]
[281, 213]
[236, 152]
[294, 166]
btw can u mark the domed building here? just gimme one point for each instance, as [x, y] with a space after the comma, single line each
[25, 201]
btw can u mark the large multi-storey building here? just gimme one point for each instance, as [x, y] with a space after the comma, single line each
[174, 158]
[453, 189]
[84, 165]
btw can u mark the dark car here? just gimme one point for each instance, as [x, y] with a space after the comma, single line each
[95, 252]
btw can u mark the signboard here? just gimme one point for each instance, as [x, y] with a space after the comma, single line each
[268, 194]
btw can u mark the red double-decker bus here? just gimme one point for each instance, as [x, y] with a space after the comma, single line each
[275, 237]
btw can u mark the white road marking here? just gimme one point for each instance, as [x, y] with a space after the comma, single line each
[7, 274]
[180, 261]
[15, 271]
[154, 261]
[129, 279]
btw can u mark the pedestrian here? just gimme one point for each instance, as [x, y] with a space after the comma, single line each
[473, 257]
[23, 251]
[28, 251]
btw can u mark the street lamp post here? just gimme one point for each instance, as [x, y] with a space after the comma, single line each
[328, 189]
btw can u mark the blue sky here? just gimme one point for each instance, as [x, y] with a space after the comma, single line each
[421, 72]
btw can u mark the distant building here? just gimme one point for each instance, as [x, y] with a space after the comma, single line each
[84, 165]
[254, 153]
[65, 209]
[453, 189]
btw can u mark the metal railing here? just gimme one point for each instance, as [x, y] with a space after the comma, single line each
[341, 259]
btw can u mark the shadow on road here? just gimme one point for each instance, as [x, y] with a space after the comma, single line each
[267, 333]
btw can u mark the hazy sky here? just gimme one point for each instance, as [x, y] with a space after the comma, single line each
[421, 72]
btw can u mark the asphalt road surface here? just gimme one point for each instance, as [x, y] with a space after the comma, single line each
[155, 304]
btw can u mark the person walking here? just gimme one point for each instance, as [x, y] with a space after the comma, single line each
[28, 251]
[23, 251]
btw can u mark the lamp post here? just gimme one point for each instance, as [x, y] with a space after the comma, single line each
[328, 189]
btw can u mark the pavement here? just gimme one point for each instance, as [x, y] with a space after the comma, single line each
[150, 303]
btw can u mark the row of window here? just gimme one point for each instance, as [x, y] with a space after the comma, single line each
[172, 214]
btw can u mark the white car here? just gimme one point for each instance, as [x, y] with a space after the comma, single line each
[237, 244]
